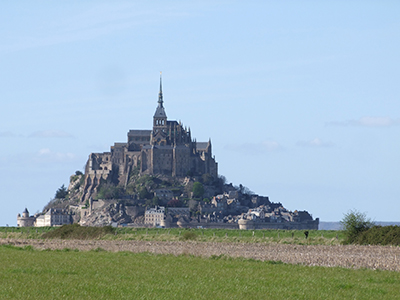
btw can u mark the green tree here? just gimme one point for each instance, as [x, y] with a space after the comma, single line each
[144, 193]
[109, 191]
[353, 224]
[61, 193]
[198, 190]
[155, 200]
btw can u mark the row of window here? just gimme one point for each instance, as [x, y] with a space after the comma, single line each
[159, 122]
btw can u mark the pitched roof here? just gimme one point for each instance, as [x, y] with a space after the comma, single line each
[160, 112]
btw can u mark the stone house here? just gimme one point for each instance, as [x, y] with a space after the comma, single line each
[220, 202]
[257, 212]
[154, 216]
[53, 217]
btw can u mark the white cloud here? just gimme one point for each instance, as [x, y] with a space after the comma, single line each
[42, 157]
[44, 151]
[270, 145]
[255, 148]
[377, 121]
[316, 143]
[367, 121]
[46, 155]
[50, 134]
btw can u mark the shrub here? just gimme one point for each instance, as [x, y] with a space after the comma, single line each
[144, 193]
[198, 190]
[353, 224]
[75, 231]
[190, 235]
[378, 235]
[109, 191]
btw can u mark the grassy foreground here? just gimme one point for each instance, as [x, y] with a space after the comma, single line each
[316, 237]
[26, 273]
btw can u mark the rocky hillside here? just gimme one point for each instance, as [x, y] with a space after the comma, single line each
[208, 199]
[126, 204]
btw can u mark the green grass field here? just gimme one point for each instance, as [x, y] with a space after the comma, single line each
[26, 273]
[316, 237]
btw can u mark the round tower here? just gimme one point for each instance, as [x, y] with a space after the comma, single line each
[25, 220]
[25, 214]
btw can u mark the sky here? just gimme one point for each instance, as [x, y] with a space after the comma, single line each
[300, 98]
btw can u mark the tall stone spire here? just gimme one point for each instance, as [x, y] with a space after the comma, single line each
[160, 95]
[160, 117]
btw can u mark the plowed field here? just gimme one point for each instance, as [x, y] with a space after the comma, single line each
[349, 256]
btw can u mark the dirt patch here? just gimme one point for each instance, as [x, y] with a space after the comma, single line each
[348, 256]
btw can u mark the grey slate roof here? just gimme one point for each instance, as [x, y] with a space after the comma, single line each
[119, 145]
[160, 112]
[139, 132]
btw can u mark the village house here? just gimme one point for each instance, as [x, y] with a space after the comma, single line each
[53, 217]
[154, 216]
[161, 216]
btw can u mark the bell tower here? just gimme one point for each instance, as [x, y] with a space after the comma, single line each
[159, 136]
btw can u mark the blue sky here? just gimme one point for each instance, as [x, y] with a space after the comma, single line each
[299, 98]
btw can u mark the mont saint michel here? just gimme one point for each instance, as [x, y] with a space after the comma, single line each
[161, 177]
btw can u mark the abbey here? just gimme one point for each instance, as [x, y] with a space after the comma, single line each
[167, 149]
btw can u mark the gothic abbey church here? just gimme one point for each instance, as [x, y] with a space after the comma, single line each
[168, 149]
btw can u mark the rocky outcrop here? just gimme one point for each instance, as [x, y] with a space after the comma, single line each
[111, 212]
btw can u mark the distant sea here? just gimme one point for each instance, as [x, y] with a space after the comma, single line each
[336, 225]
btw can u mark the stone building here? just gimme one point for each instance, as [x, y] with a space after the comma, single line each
[154, 216]
[164, 194]
[170, 217]
[53, 217]
[25, 220]
[167, 149]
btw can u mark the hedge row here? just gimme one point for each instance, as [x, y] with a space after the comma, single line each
[379, 235]
[75, 231]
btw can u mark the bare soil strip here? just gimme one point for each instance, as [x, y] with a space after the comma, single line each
[349, 256]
